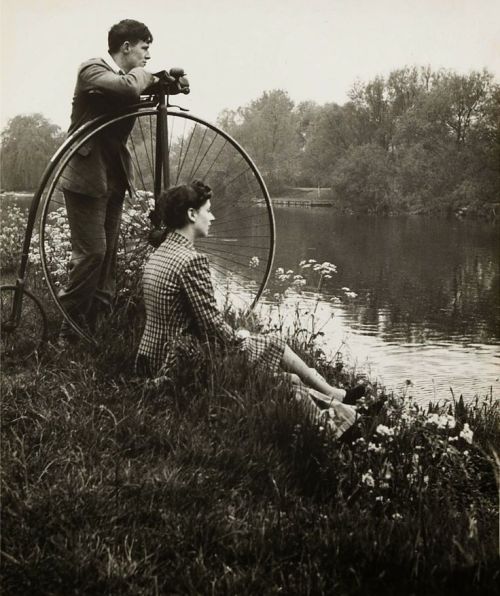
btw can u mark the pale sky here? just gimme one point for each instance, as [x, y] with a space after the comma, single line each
[233, 50]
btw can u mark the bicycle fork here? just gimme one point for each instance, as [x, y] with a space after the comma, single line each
[162, 164]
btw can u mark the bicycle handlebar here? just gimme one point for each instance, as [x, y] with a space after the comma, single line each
[172, 82]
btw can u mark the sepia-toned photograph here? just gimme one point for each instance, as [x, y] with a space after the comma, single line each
[250, 297]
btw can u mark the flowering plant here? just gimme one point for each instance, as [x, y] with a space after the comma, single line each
[11, 236]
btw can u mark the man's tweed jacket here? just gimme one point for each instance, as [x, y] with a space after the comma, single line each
[103, 164]
[181, 307]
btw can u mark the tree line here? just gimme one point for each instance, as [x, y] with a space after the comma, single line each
[416, 141]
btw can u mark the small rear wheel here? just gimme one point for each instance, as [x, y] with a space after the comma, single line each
[24, 324]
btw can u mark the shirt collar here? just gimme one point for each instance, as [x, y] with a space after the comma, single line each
[180, 239]
[112, 64]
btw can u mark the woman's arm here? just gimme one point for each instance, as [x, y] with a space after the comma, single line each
[197, 285]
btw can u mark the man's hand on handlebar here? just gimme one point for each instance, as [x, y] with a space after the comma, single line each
[172, 82]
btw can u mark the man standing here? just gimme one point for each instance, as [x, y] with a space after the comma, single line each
[99, 173]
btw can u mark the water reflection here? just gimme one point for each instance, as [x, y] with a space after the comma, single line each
[428, 305]
[417, 279]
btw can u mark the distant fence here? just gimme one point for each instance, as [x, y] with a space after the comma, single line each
[296, 202]
[315, 196]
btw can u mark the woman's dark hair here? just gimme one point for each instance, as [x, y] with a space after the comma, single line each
[176, 201]
[172, 206]
[127, 30]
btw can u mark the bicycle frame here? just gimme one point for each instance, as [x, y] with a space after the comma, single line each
[159, 104]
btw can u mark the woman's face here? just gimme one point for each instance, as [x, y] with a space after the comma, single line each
[203, 219]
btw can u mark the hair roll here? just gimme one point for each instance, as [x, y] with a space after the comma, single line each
[172, 206]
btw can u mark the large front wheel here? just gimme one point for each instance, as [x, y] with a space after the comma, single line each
[241, 242]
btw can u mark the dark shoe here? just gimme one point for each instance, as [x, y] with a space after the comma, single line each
[373, 407]
[98, 315]
[352, 395]
[67, 336]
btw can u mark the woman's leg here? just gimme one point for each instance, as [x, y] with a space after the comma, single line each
[309, 376]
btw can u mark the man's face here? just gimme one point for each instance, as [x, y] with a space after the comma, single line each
[135, 54]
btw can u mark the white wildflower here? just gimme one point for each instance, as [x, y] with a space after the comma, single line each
[467, 433]
[368, 479]
[442, 421]
[384, 430]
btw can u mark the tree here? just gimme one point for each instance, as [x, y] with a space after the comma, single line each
[446, 139]
[467, 98]
[371, 101]
[405, 86]
[362, 181]
[326, 138]
[27, 144]
[331, 132]
[268, 129]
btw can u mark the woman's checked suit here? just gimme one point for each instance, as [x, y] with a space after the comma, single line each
[181, 308]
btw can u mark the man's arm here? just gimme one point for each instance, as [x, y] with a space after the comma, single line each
[197, 285]
[95, 76]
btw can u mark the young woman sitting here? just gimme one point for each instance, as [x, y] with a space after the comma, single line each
[181, 310]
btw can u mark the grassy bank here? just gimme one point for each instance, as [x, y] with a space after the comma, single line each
[217, 484]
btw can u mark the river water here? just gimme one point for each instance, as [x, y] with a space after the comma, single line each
[427, 311]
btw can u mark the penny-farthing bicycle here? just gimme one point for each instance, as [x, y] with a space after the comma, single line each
[168, 146]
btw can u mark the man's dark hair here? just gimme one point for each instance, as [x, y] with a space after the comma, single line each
[127, 30]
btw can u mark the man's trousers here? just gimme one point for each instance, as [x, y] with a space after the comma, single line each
[95, 225]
